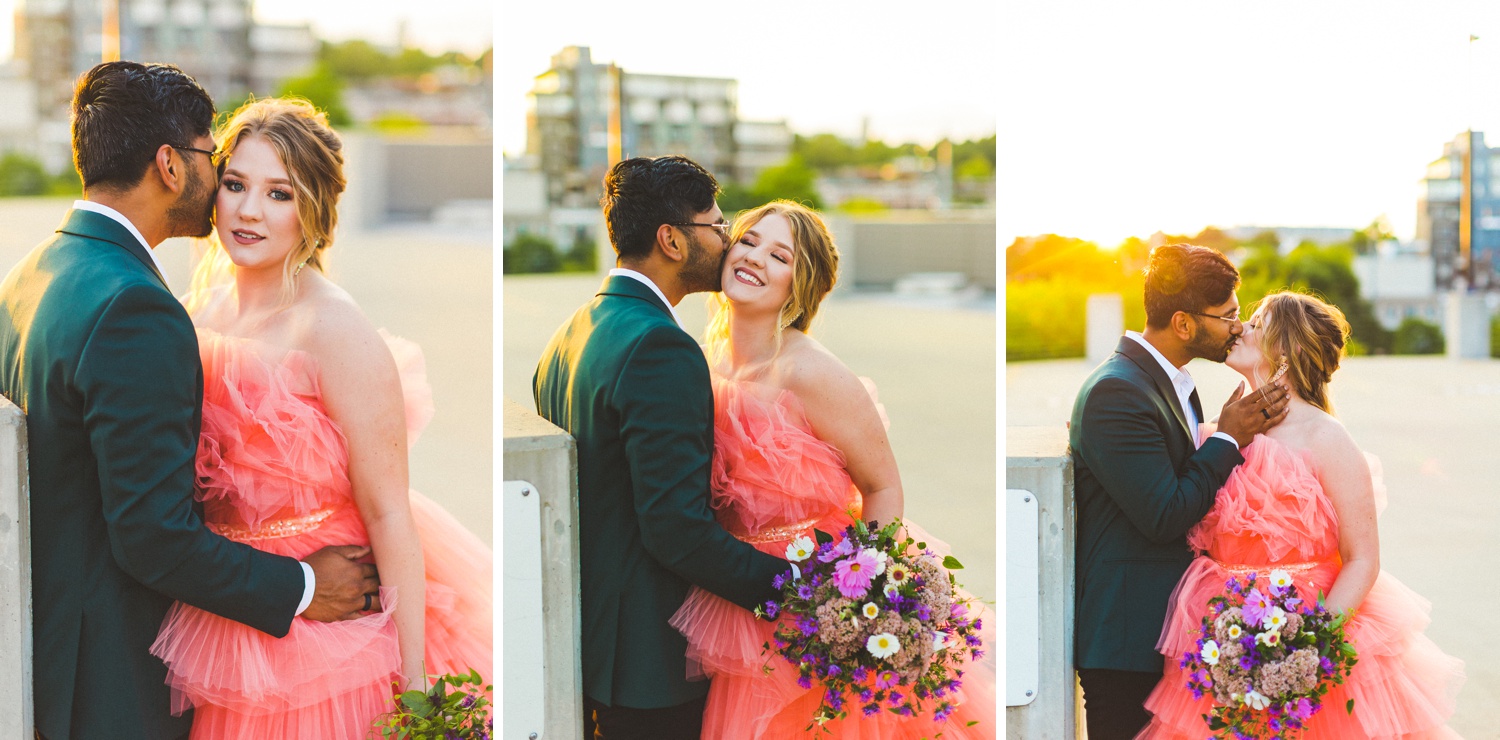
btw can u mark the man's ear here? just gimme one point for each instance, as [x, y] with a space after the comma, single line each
[168, 168]
[668, 244]
[1182, 325]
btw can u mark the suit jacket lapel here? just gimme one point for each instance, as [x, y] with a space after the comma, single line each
[100, 227]
[1143, 359]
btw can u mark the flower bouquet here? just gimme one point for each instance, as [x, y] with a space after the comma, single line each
[875, 621]
[1267, 657]
[441, 714]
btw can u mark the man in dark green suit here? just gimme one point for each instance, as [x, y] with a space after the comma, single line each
[104, 362]
[633, 389]
[1141, 481]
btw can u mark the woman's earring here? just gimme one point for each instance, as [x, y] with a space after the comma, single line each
[300, 265]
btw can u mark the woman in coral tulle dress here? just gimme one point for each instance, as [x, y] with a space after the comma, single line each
[307, 415]
[799, 443]
[1305, 501]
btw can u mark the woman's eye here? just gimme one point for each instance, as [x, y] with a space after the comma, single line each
[234, 186]
[779, 258]
[280, 195]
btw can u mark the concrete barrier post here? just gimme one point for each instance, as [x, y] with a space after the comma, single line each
[15, 578]
[542, 674]
[1466, 327]
[1106, 322]
[1038, 463]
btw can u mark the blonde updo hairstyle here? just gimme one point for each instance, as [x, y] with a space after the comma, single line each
[312, 154]
[815, 267]
[1310, 335]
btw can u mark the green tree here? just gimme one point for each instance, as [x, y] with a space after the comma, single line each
[356, 60]
[794, 180]
[324, 88]
[823, 152]
[1327, 272]
[22, 175]
[1417, 337]
[530, 253]
[974, 168]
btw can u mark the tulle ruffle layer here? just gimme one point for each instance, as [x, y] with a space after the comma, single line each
[768, 468]
[1271, 510]
[265, 431]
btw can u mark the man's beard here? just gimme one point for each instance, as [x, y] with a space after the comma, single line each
[192, 213]
[1202, 345]
[702, 272]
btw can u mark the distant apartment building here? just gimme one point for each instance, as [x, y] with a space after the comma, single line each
[581, 114]
[1440, 213]
[215, 41]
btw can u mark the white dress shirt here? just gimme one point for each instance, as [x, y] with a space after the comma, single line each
[632, 274]
[310, 581]
[1182, 382]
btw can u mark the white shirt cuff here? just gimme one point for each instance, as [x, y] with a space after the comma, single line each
[1226, 438]
[307, 593]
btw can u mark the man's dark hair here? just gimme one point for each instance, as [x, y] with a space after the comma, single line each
[1184, 277]
[642, 193]
[123, 112]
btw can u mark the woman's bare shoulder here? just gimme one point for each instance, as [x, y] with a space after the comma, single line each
[812, 372]
[327, 323]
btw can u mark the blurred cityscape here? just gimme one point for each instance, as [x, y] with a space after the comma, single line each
[582, 115]
[1397, 294]
[418, 125]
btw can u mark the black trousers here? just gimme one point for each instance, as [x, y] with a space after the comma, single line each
[1114, 701]
[682, 722]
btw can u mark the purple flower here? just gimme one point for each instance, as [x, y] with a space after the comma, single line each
[859, 674]
[808, 626]
[886, 679]
[958, 610]
[805, 592]
[1256, 607]
[833, 670]
[805, 682]
[467, 702]
[866, 695]
[779, 581]
[923, 613]
[1302, 709]
[979, 624]
[772, 609]
[830, 554]
[895, 698]
[871, 709]
[852, 575]
[451, 735]
[978, 654]
[1246, 662]
[973, 640]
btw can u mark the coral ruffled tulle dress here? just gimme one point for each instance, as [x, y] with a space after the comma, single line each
[1273, 513]
[273, 472]
[773, 481]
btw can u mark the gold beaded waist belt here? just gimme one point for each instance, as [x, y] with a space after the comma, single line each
[273, 529]
[1241, 569]
[775, 534]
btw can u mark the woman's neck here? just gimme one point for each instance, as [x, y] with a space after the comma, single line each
[752, 340]
[257, 293]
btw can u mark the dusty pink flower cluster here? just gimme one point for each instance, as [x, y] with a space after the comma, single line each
[839, 627]
[1296, 674]
[938, 594]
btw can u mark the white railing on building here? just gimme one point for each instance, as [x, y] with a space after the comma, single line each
[15, 578]
[1039, 586]
[542, 678]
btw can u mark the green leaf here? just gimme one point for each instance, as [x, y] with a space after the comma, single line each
[1349, 706]
[951, 563]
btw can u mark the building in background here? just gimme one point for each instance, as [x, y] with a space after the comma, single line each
[582, 115]
[215, 41]
[1442, 219]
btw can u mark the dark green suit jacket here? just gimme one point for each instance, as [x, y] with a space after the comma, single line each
[633, 389]
[1140, 485]
[104, 361]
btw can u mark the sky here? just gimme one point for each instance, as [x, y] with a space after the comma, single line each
[434, 25]
[920, 72]
[1121, 119]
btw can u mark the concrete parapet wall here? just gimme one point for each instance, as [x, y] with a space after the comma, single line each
[1037, 461]
[881, 249]
[16, 707]
[545, 458]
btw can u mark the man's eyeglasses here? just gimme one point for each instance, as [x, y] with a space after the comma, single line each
[1231, 320]
[213, 157]
[721, 227]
